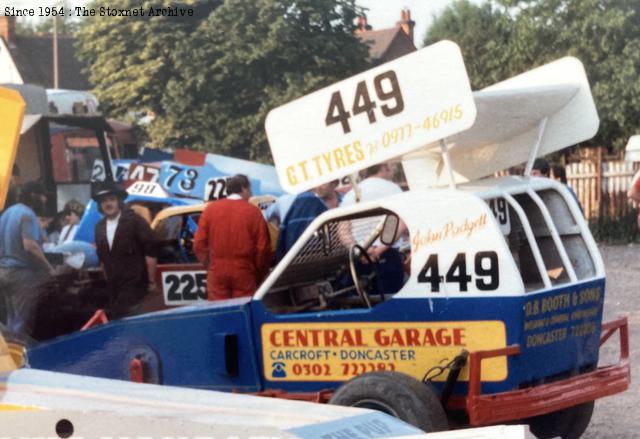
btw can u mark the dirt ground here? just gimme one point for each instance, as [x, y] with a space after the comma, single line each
[617, 416]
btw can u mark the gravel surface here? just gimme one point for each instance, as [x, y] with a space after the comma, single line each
[617, 416]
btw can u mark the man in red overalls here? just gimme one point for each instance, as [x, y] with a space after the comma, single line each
[232, 241]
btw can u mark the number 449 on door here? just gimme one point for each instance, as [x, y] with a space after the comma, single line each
[486, 272]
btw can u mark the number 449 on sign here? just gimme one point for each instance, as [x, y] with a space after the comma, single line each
[362, 102]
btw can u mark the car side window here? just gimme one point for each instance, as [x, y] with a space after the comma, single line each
[337, 267]
[564, 256]
[174, 236]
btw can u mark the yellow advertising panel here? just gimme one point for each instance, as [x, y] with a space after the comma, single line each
[11, 112]
[340, 351]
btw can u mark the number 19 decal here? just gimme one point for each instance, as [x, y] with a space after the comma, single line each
[486, 272]
[386, 87]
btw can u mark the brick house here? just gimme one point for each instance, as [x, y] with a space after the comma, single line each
[388, 44]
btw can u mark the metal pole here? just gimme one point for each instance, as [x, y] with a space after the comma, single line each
[354, 185]
[55, 51]
[446, 158]
[536, 148]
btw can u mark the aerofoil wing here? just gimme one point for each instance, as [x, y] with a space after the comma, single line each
[377, 115]
[530, 115]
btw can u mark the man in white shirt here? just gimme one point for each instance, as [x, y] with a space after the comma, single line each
[378, 184]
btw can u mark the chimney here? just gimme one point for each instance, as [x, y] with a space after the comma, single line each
[7, 28]
[406, 23]
[362, 24]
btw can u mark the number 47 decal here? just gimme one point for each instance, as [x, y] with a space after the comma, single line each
[486, 272]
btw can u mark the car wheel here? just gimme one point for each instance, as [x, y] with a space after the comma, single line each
[569, 423]
[396, 394]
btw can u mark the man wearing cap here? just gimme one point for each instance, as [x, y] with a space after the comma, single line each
[126, 249]
[23, 266]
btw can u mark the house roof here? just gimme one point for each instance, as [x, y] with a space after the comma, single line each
[380, 41]
[33, 56]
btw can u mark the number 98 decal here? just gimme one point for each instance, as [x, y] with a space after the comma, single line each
[184, 287]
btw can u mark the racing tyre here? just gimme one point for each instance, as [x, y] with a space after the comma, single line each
[396, 394]
[569, 423]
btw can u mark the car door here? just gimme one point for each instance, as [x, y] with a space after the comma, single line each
[181, 279]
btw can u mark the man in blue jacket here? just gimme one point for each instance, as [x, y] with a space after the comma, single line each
[24, 269]
[305, 208]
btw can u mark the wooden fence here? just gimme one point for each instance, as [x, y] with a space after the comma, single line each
[602, 186]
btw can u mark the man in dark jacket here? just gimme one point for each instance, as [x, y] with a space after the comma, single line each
[126, 249]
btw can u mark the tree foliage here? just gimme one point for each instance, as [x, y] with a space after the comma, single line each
[210, 81]
[130, 58]
[603, 34]
[483, 34]
[67, 24]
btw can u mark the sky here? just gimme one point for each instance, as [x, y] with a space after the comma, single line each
[381, 13]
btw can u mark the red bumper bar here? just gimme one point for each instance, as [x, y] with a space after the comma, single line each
[546, 398]
[98, 318]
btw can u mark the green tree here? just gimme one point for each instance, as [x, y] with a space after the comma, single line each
[211, 81]
[67, 24]
[482, 32]
[250, 57]
[130, 58]
[603, 34]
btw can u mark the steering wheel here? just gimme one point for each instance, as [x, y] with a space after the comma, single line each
[356, 251]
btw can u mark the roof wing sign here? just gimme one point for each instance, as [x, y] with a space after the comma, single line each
[548, 108]
[372, 117]
[12, 109]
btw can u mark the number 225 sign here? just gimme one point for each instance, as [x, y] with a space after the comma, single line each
[372, 117]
